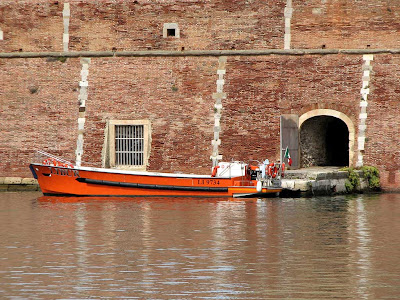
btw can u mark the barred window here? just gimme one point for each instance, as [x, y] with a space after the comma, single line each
[129, 143]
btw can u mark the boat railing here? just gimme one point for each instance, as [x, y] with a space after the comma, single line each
[41, 157]
[45, 154]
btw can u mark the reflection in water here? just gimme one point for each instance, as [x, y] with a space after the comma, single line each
[182, 248]
[362, 245]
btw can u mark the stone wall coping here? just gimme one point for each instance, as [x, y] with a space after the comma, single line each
[166, 53]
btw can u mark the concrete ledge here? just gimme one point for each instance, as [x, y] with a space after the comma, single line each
[318, 181]
[8, 184]
[12, 180]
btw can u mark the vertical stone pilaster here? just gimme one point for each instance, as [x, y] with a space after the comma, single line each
[218, 96]
[288, 18]
[66, 16]
[362, 126]
[83, 95]
[1, 35]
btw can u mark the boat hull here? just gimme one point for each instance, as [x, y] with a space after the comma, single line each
[56, 180]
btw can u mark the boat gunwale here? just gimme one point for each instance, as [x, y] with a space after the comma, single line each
[137, 173]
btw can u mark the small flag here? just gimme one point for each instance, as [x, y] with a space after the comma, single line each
[287, 155]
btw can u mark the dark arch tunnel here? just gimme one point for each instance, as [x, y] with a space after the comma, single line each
[324, 141]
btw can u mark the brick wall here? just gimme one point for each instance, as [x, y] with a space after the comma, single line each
[30, 26]
[39, 106]
[39, 97]
[218, 24]
[345, 24]
[138, 25]
[174, 94]
[38, 111]
[383, 124]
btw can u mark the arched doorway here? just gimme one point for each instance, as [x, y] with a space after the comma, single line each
[326, 139]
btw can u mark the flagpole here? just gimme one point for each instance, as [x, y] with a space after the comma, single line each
[284, 155]
[281, 138]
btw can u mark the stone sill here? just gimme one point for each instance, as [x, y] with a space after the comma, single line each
[10, 184]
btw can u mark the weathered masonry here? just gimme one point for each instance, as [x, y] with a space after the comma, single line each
[178, 85]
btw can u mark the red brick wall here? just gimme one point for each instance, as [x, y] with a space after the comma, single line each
[218, 24]
[30, 26]
[345, 24]
[260, 89]
[176, 93]
[382, 146]
[38, 111]
[138, 25]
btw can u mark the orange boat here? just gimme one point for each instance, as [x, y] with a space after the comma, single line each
[232, 179]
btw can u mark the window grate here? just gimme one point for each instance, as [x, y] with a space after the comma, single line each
[129, 145]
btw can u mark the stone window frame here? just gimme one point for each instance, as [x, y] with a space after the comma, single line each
[146, 147]
[168, 26]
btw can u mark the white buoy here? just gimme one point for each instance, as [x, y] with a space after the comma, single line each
[259, 186]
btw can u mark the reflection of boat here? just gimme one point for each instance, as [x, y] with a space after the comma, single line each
[137, 199]
[235, 179]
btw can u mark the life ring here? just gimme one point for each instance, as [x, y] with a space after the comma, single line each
[283, 170]
[55, 163]
[269, 170]
[65, 165]
[214, 172]
[274, 172]
[50, 162]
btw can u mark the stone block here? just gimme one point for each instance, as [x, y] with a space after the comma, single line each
[288, 184]
[12, 180]
[368, 57]
[85, 61]
[288, 12]
[363, 116]
[66, 24]
[31, 181]
[338, 186]
[65, 38]
[341, 175]
[219, 96]
[222, 60]
[302, 185]
[366, 78]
